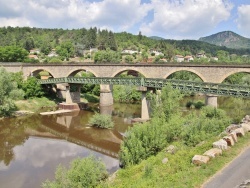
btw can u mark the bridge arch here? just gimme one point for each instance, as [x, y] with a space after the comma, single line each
[231, 73]
[128, 69]
[36, 71]
[188, 70]
[76, 70]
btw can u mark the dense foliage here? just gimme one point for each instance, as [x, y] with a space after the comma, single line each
[103, 121]
[8, 92]
[107, 46]
[14, 87]
[142, 141]
[12, 54]
[167, 125]
[86, 172]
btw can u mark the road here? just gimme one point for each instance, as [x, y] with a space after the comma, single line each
[233, 174]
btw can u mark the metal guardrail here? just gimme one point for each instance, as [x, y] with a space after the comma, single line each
[183, 85]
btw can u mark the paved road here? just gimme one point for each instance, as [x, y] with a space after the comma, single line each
[234, 174]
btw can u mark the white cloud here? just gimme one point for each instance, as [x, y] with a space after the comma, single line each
[186, 18]
[116, 15]
[243, 21]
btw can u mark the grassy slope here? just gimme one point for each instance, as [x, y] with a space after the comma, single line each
[178, 171]
[35, 104]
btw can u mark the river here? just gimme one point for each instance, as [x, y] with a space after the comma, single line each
[31, 147]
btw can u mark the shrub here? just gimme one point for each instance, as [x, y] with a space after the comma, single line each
[142, 141]
[210, 122]
[86, 172]
[101, 121]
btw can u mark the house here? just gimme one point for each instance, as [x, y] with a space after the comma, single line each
[201, 55]
[178, 58]
[129, 51]
[34, 51]
[92, 50]
[156, 52]
[214, 58]
[31, 56]
[188, 58]
[53, 53]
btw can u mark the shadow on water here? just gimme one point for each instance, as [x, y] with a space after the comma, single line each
[32, 147]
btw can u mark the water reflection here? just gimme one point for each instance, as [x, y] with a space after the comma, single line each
[32, 147]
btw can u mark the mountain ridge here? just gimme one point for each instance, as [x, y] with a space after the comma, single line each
[228, 39]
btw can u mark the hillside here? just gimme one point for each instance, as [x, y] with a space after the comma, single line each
[228, 39]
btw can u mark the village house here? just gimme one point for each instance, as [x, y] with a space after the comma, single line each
[201, 55]
[156, 52]
[178, 58]
[214, 58]
[32, 56]
[53, 53]
[188, 58]
[34, 51]
[129, 51]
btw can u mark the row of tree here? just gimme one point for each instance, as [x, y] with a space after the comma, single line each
[69, 43]
[14, 87]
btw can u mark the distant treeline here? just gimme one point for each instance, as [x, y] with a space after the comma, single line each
[70, 43]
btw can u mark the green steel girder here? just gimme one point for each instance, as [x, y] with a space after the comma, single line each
[183, 85]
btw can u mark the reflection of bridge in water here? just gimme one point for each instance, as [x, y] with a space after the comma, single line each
[104, 141]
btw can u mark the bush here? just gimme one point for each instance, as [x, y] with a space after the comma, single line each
[102, 121]
[210, 122]
[86, 172]
[142, 141]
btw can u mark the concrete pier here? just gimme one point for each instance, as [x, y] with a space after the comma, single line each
[106, 95]
[211, 100]
[144, 103]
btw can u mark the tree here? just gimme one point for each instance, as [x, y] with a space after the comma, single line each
[8, 93]
[12, 54]
[86, 172]
[32, 88]
[142, 141]
[103, 121]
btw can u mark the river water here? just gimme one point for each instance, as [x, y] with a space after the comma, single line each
[31, 147]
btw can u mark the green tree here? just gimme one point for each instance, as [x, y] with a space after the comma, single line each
[86, 172]
[12, 54]
[32, 88]
[103, 121]
[142, 141]
[8, 92]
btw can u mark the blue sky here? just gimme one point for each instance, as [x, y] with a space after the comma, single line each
[170, 19]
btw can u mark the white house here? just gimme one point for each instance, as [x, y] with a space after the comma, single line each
[188, 58]
[178, 58]
[129, 51]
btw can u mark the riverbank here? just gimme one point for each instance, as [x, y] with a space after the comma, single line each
[36, 105]
[175, 169]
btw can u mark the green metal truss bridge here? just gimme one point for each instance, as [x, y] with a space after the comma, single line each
[183, 85]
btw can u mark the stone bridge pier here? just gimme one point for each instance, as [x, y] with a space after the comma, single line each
[211, 100]
[106, 95]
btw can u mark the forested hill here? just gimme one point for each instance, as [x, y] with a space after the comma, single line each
[228, 39]
[84, 39]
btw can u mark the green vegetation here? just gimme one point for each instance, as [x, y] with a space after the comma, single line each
[13, 88]
[86, 172]
[179, 170]
[35, 104]
[195, 104]
[8, 93]
[103, 46]
[12, 54]
[103, 121]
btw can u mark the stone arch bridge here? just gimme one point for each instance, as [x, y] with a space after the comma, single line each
[208, 73]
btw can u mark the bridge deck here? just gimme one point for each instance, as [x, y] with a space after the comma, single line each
[183, 85]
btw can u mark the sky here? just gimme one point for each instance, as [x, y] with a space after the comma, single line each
[170, 19]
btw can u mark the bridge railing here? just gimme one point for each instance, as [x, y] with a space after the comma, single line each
[183, 85]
